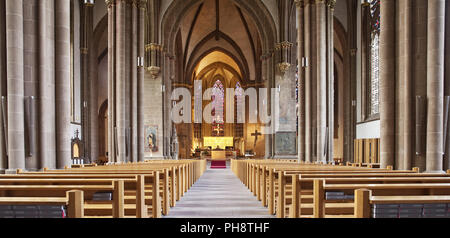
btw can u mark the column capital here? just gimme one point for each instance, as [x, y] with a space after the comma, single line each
[319, 1]
[142, 4]
[331, 4]
[283, 45]
[153, 47]
[84, 51]
[110, 3]
[300, 3]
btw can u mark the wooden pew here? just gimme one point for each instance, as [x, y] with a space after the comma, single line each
[364, 201]
[58, 190]
[252, 174]
[163, 180]
[74, 201]
[302, 187]
[133, 184]
[321, 208]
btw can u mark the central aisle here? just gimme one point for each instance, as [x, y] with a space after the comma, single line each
[219, 194]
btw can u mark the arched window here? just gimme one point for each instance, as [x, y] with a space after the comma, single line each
[239, 100]
[218, 97]
[370, 55]
[375, 57]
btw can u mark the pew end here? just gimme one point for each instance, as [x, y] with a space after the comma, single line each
[76, 204]
[362, 203]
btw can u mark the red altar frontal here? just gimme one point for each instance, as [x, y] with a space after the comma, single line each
[218, 160]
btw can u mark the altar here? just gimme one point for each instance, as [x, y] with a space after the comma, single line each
[218, 159]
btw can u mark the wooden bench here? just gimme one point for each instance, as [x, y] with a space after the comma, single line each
[301, 191]
[365, 203]
[134, 186]
[268, 180]
[141, 181]
[74, 201]
[167, 194]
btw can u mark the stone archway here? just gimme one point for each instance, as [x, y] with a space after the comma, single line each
[257, 24]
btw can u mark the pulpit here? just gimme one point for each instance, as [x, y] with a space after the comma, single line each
[218, 159]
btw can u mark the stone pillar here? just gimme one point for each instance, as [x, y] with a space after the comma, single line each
[387, 82]
[15, 88]
[140, 81]
[419, 71]
[3, 76]
[313, 73]
[350, 59]
[111, 4]
[321, 79]
[120, 80]
[308, 68]
[93, 97]
[435, 85]
[47, 84]
[406, 98]
[447, 77]
[134, 83]
[127, 80]
[301, 78]
[86, 37]
[330, 78]
[62, 80]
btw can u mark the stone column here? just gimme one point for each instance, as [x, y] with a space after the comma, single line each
[350, 59]
[47, 84]
[435, 85]
[86, 37]
[321, 79]
[111, 4]
[447, 77]
[406, 99]
[308, 68]
[419, 71]
[120, 79]
[3, 157]
[330, 52]
[93, 97]
[15, 88]
[62, 80]
[313, 73]
[134, 84]
[387, 82]
[301, 78]
[127, 80]
[140, 81]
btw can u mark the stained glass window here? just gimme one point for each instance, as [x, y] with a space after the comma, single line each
[375, 57]
[218, 97]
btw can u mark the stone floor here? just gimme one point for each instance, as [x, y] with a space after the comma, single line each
[219, 194]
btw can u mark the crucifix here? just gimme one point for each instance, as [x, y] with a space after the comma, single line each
[217, 130]
[77, 133]
[256, 134]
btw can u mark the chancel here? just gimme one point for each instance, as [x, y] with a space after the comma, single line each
[289, 108]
